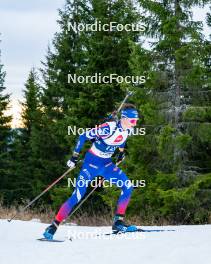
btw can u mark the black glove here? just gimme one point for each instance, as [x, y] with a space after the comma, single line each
[73, 160]
[120, 156]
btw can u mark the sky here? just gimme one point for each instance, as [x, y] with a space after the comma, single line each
[27, 28]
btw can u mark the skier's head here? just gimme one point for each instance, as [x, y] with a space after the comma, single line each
[129, 116]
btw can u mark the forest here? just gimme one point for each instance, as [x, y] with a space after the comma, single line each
[172, 55]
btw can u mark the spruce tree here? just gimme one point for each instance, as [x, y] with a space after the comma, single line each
[178, 75]
[5, 135]
[60, 99]
[83, 53]
[176, 106]
[109, 53]
[25, 164]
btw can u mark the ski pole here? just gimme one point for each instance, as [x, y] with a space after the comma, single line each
[79, 205]
[38, 196]
[125, 99]
[115, 112]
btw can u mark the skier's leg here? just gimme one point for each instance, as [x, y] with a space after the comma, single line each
[87, 173]
[120, 179]
[83, 180]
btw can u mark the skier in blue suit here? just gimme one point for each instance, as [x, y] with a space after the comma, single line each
[107, 138]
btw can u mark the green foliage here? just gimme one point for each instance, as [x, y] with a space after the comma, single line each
[198, 114]
[174, 103]
[82, 53]
[182, 141]
[204, 133]
[164, 139]
[58, 196]
[5, 134]
[164, 199]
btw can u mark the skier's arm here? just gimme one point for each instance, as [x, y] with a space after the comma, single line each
[81, 140]
[102, 131]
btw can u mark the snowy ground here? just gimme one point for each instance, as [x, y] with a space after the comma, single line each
[187, 244]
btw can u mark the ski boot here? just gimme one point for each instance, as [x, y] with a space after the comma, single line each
[51, 230]
[120, 226]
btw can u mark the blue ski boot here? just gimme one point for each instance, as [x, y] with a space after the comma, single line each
[120, 226]
[51, 230]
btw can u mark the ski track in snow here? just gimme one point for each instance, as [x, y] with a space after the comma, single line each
[186, 245]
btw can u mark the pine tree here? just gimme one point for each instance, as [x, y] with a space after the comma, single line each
[83, 53]
[31, 104]
[59, 99]
[175, 102]
[25, 164]
[77, 53]
[5, 134]
[177, 74]
[109, 53]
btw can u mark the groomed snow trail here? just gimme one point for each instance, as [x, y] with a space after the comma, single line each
[185, 245]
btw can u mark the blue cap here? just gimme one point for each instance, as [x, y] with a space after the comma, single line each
[129, 113]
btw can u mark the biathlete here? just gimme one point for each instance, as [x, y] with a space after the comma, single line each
[107, 138]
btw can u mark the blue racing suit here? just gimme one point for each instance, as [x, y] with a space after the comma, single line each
[108, 137]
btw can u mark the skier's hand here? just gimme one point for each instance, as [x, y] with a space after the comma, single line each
[120, 156]
[71, 163]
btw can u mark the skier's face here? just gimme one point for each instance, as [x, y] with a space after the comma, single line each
[129, 122]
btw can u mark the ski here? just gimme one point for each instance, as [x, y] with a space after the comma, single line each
[49, 240]
[115, 232]
[139, 230]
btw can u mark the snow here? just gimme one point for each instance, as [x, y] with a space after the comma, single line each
[187, 244]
